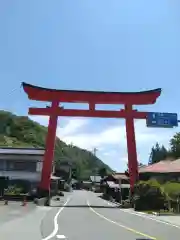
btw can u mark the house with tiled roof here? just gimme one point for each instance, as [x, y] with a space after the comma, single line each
[116, 180]
[116, 185]
[166, 170]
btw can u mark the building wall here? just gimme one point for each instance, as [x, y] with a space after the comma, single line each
[34, 177]
[117, 181]
[28, 167]
[160, 177]
[21, 157]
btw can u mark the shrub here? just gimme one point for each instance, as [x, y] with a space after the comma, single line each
[172, 190]
[24, 185]
[13, 190]
[149, 195]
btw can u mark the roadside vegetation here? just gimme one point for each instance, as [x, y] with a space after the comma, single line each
[153, 196]
[160, 196]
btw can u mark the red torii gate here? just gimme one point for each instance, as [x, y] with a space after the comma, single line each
[92, 98]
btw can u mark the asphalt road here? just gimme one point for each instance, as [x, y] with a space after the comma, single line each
[80, 215]
[86, 216]
[14, 210]
[21, 223]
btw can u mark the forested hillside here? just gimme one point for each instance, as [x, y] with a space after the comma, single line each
[20, 131]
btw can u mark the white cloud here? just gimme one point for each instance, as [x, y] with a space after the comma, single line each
[111, 140]
[116, 135]
[124, 159]
[72, 126]
[40, 119]
[110, 153]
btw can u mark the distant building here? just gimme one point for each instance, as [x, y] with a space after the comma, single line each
[117, 180]
[95, 179]
[163, 171]
[96, 182]
[21, 163]
[64, 169]
[116, 185]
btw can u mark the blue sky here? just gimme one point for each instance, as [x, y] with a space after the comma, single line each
[93, 45]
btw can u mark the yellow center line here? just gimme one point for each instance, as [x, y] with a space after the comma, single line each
[120, 225]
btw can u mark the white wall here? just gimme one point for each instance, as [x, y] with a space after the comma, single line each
[22, 151]
[36, 176]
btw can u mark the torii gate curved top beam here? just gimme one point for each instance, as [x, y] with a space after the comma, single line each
[99, 97]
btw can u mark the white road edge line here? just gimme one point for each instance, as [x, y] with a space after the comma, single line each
[60, 236]
[54, 232]
[143, 215]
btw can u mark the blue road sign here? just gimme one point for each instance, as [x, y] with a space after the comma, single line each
[162, 120]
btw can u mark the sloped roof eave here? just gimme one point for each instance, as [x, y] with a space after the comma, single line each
[165, 166]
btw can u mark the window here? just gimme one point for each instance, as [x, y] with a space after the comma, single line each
[2, 166]
[21, 166]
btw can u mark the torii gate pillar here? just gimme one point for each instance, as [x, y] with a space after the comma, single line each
[131, 147]
[49, 152]
[92, 98]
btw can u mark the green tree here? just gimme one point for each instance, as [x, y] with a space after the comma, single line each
[158, 153]
[175, 145]
[102, 172]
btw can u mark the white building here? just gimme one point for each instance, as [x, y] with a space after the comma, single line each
[21, 163]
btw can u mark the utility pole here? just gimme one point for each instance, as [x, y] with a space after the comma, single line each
[94, 153]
